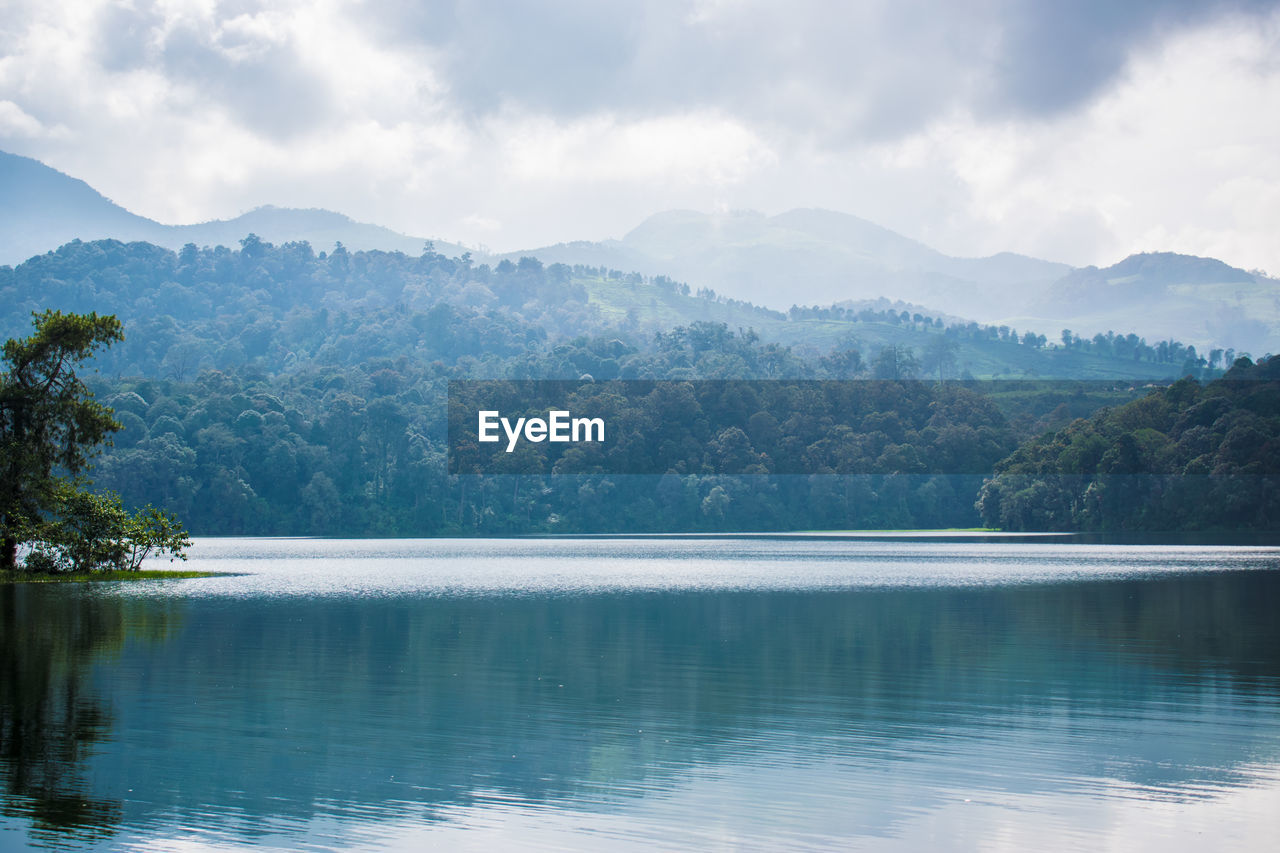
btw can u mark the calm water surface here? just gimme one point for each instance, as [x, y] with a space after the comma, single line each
[759, 694]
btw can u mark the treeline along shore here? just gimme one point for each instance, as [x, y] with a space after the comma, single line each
[276, 390]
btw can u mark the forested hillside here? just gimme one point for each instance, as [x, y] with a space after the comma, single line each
[1186, 457]
[276, 308]
[276, 390]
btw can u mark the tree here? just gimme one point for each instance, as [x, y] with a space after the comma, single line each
[152, 531]
[86, 533]
[895, 362]
[94, 531]
[940, 356]
[50, 429]
[49, 422]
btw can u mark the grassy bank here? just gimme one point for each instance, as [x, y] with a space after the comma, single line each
[89, 577]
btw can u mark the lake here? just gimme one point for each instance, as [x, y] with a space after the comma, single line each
[754, 693]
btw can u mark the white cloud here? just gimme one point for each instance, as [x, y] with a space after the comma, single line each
[481, 222]
[1184, 155]
[184, 112]
[677, 149]
[17, 122]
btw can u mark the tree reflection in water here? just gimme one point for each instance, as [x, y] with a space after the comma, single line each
[51, 718]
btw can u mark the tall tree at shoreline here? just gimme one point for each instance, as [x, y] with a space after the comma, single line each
[49, 421]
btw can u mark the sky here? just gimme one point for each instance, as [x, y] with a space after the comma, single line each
[1074, 131]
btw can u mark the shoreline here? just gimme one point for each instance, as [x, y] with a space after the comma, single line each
[100, 577]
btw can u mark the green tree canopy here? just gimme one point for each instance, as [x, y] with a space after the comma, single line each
[49, 421]
[50, 429]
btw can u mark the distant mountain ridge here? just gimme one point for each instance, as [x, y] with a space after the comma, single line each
[45, 208]
[822, 257]
[1202, 300]
[1139, 277]
[810, 256]
[800, 257]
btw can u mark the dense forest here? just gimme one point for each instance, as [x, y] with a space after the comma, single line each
[276, 390]
[363, 451]
[1185, 457]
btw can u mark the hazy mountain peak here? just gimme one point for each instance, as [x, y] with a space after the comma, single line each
[316, 215]
[1173, 268]
[45, 208]
[675, 231]
[1141, 276]
[22, 178]
[1165, 294]
[846, 229]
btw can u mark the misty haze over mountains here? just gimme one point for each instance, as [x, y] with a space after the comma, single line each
[44, 208]
[805, 257]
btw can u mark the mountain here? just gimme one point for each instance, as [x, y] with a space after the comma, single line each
[320, 228]
[45, 208]
[812, 257]
[800, 257]
[1202, 301]
[822, 257]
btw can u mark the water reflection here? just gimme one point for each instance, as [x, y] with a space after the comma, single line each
[51, 719]
[758, 718]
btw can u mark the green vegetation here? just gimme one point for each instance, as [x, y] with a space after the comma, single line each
[274, 390]
[360, 450]
[48, 420]
[1186, 457]
[274, 310]
[104, 575]
[50, 427]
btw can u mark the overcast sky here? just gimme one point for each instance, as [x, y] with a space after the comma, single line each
[1077, 131]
